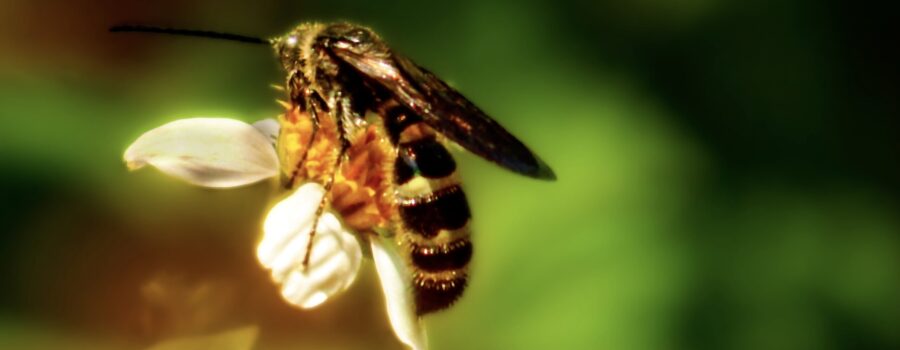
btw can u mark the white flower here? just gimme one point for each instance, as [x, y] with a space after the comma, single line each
[225, 153]
[209, 152]
[334, 259]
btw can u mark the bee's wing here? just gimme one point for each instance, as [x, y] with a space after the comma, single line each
[447, 111]
[335, 256]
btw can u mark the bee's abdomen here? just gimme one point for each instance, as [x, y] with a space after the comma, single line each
[425, 157]
[433, 210]
[452, 256]
[444, 209]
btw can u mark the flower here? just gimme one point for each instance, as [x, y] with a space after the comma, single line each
[227, 153]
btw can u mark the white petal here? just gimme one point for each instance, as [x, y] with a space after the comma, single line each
[209, 152]
[290, 216]
[336, 254]
[395, 282]
[268, 127]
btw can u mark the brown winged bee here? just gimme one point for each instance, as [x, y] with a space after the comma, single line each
[370, 126]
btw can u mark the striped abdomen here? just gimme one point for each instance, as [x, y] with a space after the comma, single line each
[433, 210]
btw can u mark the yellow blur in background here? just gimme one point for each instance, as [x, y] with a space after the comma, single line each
[727, 177]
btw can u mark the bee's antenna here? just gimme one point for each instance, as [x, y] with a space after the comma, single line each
[188, 32]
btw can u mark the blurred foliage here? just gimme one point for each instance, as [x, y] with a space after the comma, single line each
[727, 176]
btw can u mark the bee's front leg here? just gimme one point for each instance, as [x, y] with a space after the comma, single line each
[329, 183]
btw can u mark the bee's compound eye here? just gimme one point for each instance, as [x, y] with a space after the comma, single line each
[358, 35]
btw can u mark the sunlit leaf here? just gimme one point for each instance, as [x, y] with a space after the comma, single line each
[241, 338]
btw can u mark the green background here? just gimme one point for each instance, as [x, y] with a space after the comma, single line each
[727, 176]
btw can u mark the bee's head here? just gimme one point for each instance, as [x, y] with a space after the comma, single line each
[290, 47]
[309, 43]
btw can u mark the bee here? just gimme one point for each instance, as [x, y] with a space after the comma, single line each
[372, 128]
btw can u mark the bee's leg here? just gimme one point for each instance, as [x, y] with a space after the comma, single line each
[289, 184]
[322, 204]
[293, 179]
[345, 145]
